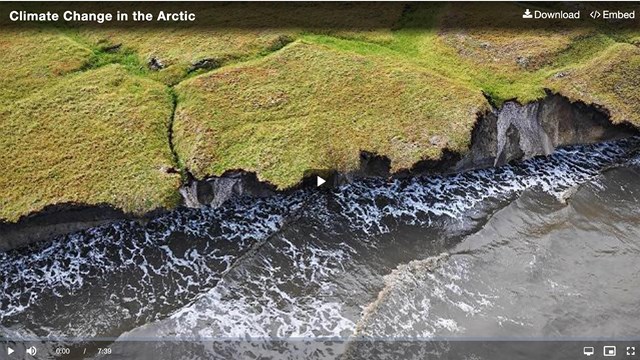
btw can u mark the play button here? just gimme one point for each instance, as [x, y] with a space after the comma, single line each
[321, 179]
[9, 351]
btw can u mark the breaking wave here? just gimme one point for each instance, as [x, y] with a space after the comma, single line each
[135, 271]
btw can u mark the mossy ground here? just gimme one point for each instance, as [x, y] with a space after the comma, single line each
[95, 137]
[236, 32]
[311, 106]
[405, 93]
[35, 58]
[611, 80]
[86, 121]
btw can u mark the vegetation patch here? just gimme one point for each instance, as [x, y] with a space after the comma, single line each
[611, 80]
[179, 51]
[35, 58]
[504, 43]
[98, 137]
[230, 33]
[310, 106]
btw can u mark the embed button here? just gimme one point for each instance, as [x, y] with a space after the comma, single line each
[606, 14]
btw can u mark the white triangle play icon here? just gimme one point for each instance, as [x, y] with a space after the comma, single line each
[320, 181]
[9, 351]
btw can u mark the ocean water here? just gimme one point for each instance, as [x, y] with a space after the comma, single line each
[543, 248]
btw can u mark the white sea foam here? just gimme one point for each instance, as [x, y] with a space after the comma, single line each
[284, 292]
[421, 201]
[155, 267]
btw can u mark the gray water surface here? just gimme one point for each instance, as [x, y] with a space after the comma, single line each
[544, 248]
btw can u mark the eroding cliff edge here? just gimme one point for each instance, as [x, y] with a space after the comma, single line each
[512, 132]
[55, 220]
[516, 131]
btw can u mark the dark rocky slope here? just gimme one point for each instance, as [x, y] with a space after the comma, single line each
[517, 131]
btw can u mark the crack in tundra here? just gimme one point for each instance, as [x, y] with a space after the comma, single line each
[174, 154]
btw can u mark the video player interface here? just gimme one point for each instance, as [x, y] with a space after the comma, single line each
[319, 180]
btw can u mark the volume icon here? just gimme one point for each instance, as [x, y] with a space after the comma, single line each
[32, 351]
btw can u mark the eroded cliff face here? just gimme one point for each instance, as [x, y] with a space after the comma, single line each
[215, 191]
[56, 220]
[516, 131]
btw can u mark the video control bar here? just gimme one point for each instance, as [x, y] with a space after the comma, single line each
[322, 349]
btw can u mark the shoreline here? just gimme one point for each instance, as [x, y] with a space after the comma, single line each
[510, 133]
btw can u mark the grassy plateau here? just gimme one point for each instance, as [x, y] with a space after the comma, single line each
[118, 115]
